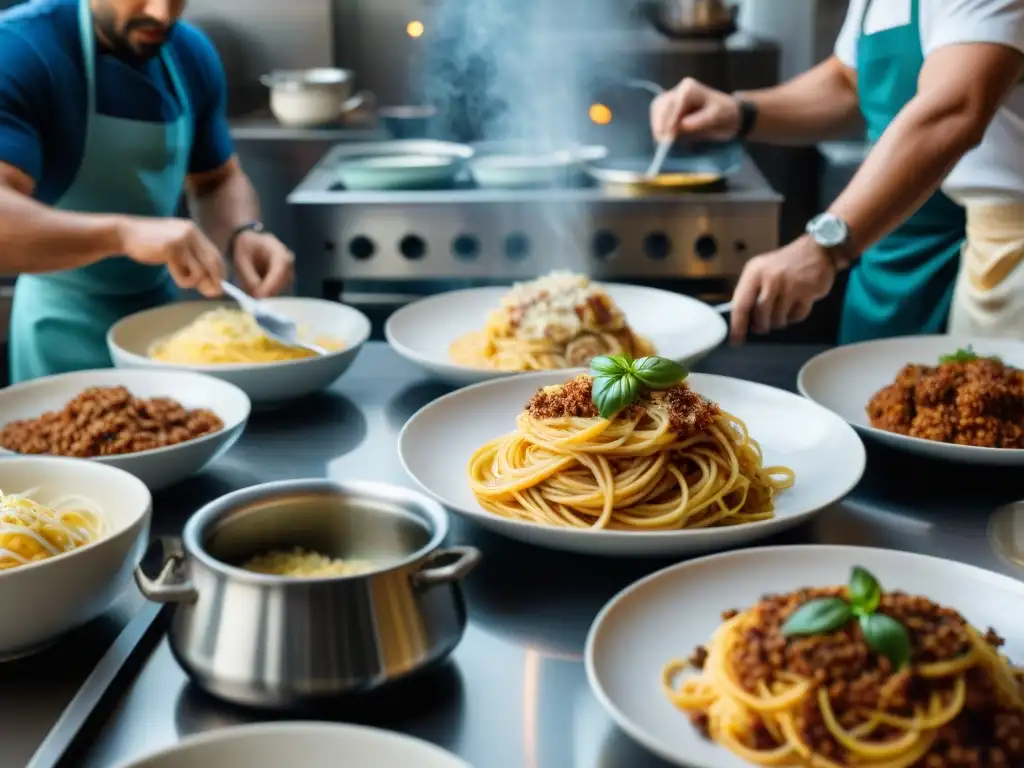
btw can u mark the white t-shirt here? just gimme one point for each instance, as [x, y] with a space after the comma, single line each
[993, 171]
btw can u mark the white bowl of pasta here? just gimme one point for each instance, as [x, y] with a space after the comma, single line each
[161, 426]
[218, 339]
[735, 659]
[71, 532]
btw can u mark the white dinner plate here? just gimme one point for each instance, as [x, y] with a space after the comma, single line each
[681, 328]
[825, 454]
[668, 614]
[160, 467]
[299, 745]
[844, 379]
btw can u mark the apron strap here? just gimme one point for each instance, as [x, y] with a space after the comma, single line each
[87, 34]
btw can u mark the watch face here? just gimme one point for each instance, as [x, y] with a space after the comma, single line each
[829, 231]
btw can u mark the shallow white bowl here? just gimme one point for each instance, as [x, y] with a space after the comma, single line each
[159, 467]
[668, 614]
[681, 328]
[300, 745]
[44, 600]
[129, 342]
[825, 454]
[844, 379]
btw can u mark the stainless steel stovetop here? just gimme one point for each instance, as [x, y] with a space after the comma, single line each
[471, 233]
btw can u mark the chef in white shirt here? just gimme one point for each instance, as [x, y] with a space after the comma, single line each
[938, 83]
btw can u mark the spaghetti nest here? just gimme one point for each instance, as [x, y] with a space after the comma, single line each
[828, 701]
[31, 532]
[672, 460]
[558, 321]
[226, 337]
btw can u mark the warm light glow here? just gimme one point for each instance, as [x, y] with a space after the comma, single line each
[415, 29]
[600, 114]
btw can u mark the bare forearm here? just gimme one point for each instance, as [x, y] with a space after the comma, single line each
[903, 170]
[37, 238]
[819, 104]
[220, 208]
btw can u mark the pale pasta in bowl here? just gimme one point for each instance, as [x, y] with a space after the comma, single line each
[218, 339]
[71, 531]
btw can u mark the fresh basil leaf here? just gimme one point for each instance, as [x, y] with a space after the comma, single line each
[659, 372]
[607, 365]
[865, 592]
[966, 355]
[818, 617]
[887, 637]
[610, 394]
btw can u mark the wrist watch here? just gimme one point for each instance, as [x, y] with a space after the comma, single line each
[748, 118]
[252, 226]
[832, 235]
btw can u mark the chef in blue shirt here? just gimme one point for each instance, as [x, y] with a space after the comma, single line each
[110, 110]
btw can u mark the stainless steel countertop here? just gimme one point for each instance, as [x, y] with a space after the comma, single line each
[515, 694]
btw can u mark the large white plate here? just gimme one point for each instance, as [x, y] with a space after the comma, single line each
[666, 615]
[300, 745]
[159, 467]
[681, 328]
[844, 379]
[266, 384]
[825, 453]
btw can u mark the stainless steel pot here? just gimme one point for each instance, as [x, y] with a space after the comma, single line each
[691, 18]
[272, 641]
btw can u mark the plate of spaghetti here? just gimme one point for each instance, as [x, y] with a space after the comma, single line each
[70, 534]
[219, 339]
[561, 320]
[949, 398]
[816, 656]
[631, 457]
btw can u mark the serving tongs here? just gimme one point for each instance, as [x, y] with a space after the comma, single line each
[274, 324]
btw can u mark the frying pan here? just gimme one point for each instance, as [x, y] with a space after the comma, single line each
[702, 167]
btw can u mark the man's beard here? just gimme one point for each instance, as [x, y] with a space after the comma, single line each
[119, 40]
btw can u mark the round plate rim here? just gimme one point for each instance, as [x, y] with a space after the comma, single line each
[694, 534]
[634, 730]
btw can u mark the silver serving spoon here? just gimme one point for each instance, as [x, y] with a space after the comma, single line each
[274, 324]
[660, 155]
[723, 309]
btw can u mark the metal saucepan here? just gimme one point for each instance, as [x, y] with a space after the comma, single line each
[307, 98]
[519, 164]
[278, 642]
[691, 19]
[400, 164]
[703, 167]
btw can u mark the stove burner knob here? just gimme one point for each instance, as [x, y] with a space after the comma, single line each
[517, 246]
[413, 247]
[605, 244]
[361, 248]
[657, 246]
[706, 247]
[466, 247]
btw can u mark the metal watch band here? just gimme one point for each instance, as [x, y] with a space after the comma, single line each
[252, 226]
[748, 118]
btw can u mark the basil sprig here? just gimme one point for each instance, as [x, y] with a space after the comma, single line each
[883, 634]
[965, 356]
[619, 380]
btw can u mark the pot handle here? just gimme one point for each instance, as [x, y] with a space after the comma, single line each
[363, 99]
[165, 588]
[466, 559]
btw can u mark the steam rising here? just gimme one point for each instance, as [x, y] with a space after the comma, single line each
[519, 70]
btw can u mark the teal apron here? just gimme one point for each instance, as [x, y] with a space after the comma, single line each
[60, 320]
[904, 284]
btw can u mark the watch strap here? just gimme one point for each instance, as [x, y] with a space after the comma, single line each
[748, 118]
[252, 226]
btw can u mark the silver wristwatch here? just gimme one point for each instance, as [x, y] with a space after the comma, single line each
[833, 235]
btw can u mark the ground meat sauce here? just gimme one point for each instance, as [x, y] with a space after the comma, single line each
[107, 421]
[984, 735]
[689, 413]
[979, 403]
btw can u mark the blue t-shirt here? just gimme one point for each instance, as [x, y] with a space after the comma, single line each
[44, 98]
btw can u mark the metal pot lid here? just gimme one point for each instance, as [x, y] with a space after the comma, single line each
[302, 78]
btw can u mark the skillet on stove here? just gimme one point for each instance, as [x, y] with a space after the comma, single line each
[700, 167]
